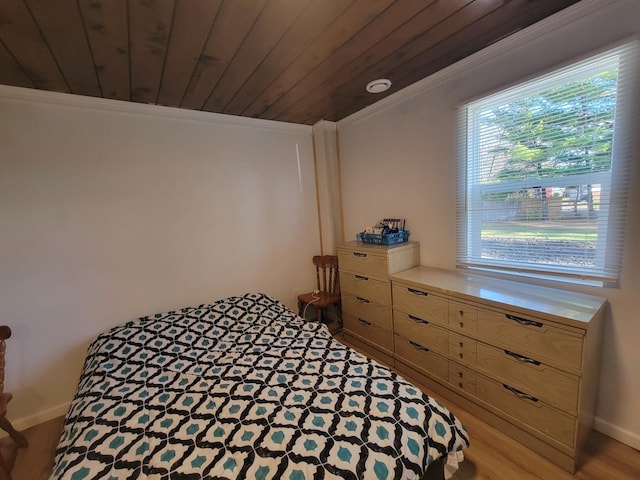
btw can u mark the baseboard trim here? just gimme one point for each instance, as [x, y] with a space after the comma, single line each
[38, 418]
[618, 433]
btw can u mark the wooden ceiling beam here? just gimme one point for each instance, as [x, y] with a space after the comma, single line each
[149, 30]
[381, 39]
[192, 24]
[497, 24]
[289, 60]
[61, 25]
[233, 22]
[21, 35]
[360, 14]
[352, 88]
[274, 20]
[106, 24]
[11, 73]
[313, 21]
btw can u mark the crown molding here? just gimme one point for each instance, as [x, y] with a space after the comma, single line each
[498, 49]
[29, 95]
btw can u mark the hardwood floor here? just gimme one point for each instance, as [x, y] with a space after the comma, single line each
[36, 461]
[492, 455]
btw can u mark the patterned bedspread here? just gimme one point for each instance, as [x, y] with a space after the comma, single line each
[244, 388]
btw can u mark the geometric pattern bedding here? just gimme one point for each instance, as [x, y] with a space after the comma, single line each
[244, 388]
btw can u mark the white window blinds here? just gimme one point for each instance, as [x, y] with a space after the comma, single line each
[543, 171]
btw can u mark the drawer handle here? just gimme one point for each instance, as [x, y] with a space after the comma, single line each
[522, 358]
[523, 321]
[364, 322]
[519, 393]
[358, 254]
[418, 320]
[362, 300]
[417, 292]
[418, 346]
[360, 277]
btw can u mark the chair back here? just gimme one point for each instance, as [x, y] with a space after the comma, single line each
[327, 276]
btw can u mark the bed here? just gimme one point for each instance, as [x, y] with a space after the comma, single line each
[244, 388]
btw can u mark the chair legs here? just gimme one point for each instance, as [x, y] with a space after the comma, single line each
[5, 424]
[15, 435]
[302, 307]
[322, 313]
[9, 448]
[5, 470]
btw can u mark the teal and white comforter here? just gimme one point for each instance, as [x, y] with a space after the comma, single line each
[244, 388]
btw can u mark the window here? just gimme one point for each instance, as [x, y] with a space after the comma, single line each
[543, 172]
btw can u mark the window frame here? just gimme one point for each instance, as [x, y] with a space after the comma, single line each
[614, 183]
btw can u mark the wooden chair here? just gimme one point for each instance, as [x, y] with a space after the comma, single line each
[7, 451]
[328, 288]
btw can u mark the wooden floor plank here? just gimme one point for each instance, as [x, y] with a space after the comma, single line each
[36, 461]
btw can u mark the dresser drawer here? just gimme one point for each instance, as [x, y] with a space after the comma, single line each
[421, 303]
[462, 349]
[532, 337]
[375, 313]
[463, 318]
[422, 332]
[462, 377]
[528, 409]
[420, 357]
[549, 384]
[366, 287]
[368, 331]
[367, 350]
[364, 263]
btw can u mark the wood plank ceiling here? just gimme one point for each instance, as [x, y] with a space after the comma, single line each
[290, 60]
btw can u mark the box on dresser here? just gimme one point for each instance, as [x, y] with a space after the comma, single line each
[521, 357]
[366, 293]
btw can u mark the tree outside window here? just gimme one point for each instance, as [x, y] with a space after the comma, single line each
[539, 189]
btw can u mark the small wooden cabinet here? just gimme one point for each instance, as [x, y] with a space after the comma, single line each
[366, 293]
[522, 357]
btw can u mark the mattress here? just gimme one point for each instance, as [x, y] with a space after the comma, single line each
[244, 388]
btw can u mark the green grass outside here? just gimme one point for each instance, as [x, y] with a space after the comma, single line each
[541, 230]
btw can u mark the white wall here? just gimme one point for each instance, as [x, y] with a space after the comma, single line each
[398, 159]
[110, 211]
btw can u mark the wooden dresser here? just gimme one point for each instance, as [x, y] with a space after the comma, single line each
[523, 358]
[366, 293]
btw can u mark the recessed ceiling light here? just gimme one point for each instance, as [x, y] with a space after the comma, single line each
[378, 86]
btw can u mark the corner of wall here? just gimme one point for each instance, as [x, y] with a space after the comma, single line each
[327, 164]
